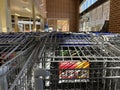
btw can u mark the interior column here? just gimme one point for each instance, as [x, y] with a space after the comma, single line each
[34, 17]
[16, 23]
[42, 23]
[5, 17]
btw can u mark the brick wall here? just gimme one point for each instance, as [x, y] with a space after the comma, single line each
[114, 24]
[64, 9]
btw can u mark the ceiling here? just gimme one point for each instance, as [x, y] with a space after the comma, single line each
[18, 6]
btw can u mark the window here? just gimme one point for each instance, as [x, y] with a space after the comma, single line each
[86, 4]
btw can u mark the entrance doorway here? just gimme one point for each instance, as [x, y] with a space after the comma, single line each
[61, 25]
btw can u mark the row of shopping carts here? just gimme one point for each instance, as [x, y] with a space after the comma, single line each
[61, 61]
[15, 50]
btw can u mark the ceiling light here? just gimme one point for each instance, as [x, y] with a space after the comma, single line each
[27, 9]
[17, 14]
[38, 17]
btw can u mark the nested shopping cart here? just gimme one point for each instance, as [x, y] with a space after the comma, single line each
[78, 62]
[20, 44]
[114, 39]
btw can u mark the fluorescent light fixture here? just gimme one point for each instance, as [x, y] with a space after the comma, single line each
[38, 17]
[17, 14]
[27, 9]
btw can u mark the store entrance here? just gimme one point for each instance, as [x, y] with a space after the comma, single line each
[61, 25]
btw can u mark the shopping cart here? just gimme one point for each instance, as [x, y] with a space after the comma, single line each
[79, 66]
[113, 39]
[23, 44]
[11, 45]
[61, 61]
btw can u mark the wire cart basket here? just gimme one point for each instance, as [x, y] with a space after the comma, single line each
[23, 45]
[77, 62]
